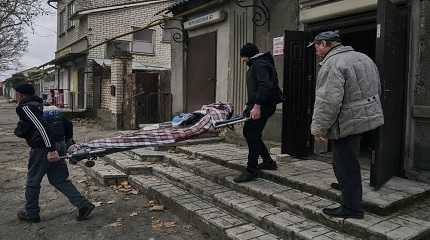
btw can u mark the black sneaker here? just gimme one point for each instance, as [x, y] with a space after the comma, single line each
[23, 216]
[84, 212]
[268, 165]
[245, 177]
[341, 212]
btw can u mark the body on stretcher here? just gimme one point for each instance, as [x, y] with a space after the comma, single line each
[91, 155]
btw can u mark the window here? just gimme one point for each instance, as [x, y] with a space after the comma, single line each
[70, 12]
[62, 22]
[167, 36]
[143, 42]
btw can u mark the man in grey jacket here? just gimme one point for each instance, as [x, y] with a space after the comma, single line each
[347, 104]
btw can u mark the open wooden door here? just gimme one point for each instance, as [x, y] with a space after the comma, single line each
[391, 60]
[299, 88]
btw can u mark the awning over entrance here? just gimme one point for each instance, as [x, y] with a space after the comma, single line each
[67, 58]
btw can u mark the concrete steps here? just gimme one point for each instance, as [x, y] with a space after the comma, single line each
[201, 190]
[314, 177]
[106, 174]
[288, 199]
[218, 223]
[283, 223]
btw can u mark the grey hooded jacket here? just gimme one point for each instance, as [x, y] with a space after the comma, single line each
[347, 98]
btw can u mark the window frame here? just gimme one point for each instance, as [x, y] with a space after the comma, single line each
[62, 26]
[133, 40]
[71, 10]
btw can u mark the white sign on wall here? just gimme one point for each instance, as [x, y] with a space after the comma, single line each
[208, 19]
[278, 46]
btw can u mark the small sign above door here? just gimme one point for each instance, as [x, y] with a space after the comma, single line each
[278, 46]
[208, 19]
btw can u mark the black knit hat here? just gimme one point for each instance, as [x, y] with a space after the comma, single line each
[25, 88]
[249, 50]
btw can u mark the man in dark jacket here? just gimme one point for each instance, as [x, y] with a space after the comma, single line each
[263, 96]
[44, 157]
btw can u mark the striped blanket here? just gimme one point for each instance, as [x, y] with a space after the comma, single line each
[145, 138]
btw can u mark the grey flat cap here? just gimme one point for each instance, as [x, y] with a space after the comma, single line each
[332, 36]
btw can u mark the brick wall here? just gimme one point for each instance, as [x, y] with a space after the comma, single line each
[90, 4]
[117, 80]
[72, 35]
[105, 94]
[105, 25]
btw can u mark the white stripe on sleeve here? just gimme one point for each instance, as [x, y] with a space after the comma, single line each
[38, 125]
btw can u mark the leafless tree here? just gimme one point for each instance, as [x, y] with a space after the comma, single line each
[15, 17]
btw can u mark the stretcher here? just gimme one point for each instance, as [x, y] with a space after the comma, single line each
[90, 155]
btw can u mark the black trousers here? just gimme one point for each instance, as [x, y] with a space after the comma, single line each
[346, 167]
[58, 174]
[252, 131]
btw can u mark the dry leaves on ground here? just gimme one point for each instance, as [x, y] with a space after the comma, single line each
[163, 225]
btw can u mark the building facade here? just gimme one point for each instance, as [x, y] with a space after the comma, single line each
[394, 33]
[83, 73]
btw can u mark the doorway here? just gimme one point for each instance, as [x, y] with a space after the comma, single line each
[201, 71]
[382, 35]
[363, 39]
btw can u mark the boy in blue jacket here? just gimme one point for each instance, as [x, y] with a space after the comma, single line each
[44, 158]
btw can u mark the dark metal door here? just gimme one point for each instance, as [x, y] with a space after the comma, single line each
[299, 88]
[201, 71]
[146, 95]
[390, 58]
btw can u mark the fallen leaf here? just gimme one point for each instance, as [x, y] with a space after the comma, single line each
[124, 190]
[115, 224]
[135, 192]
[169, 224]
[157, 208]
[133, 214]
